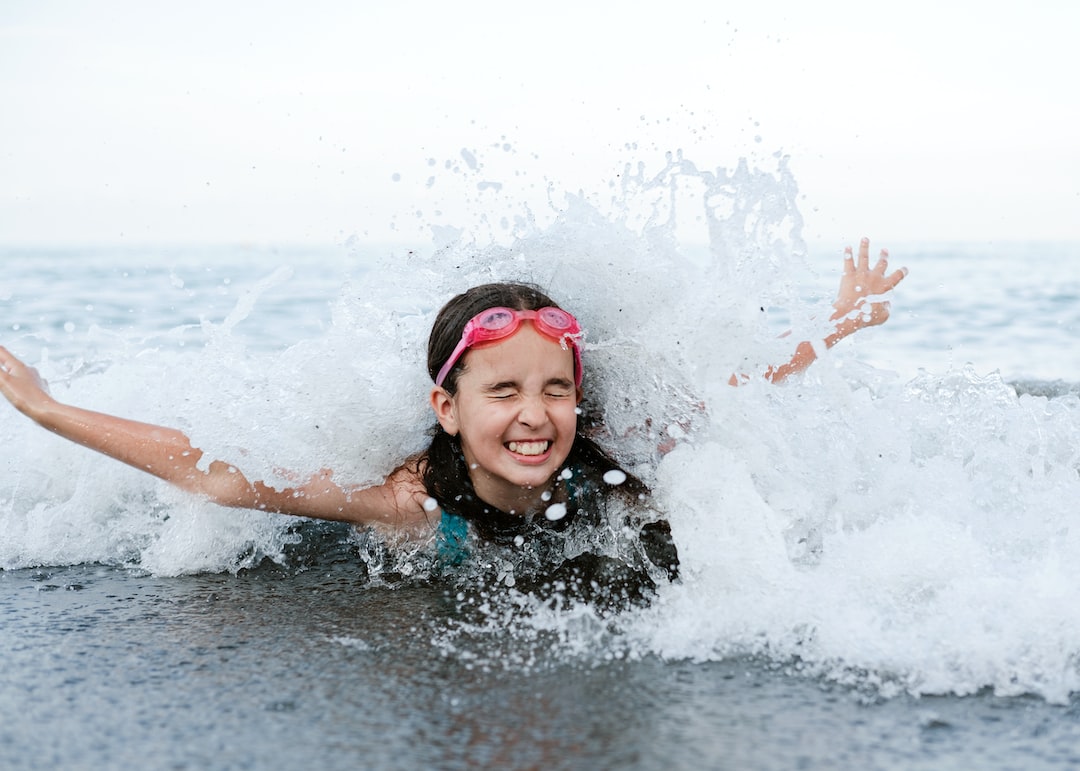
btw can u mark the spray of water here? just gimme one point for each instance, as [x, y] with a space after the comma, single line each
[912, 536]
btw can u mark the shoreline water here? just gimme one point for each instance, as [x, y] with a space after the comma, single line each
[107, 669]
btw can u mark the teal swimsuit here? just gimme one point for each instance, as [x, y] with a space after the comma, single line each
[451, 538]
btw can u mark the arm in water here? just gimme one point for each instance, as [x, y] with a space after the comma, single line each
[167, 453]
[858, 304]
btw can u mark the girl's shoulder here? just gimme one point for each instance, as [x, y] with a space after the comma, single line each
[410, 496]
[399, 502]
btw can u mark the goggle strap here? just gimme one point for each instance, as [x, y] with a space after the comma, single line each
[461, 346]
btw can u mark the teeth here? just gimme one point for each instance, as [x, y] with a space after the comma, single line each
[527, 448]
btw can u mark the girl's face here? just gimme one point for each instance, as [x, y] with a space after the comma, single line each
[516, 413]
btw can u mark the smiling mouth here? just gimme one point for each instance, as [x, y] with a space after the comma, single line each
[528, 448]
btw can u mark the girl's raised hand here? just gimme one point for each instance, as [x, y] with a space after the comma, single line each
[860, 282]
[859, 303]
[22, 385]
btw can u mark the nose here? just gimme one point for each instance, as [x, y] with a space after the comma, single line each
[532, 413]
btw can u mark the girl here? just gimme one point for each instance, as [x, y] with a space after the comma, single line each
[510, 458]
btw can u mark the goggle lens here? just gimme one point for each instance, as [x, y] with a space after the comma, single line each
[496, 319]
[555, 318]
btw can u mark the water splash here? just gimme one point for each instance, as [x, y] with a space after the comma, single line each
[897, 535]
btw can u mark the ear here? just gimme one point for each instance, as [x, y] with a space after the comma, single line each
[442, 404]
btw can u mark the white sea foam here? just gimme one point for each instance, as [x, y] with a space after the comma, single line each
[897, 533]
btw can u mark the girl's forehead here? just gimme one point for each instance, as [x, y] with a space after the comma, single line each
[526, 348]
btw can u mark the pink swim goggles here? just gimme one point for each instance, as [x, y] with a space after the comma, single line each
[497, 323]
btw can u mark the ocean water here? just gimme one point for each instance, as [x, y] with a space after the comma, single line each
[879, 558]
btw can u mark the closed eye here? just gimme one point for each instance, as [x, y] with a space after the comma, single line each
[560, 388]
[501, 390]
[557, 388]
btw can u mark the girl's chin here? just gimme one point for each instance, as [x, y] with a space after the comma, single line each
[531, 481]
[526, 483]
[511, 478]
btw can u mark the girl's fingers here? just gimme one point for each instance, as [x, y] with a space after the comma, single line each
[8, 363]
[849, 260]
[896, 277]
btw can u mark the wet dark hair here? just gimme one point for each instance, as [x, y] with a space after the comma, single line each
[445, 474]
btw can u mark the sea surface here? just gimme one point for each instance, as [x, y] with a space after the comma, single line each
[880, 559]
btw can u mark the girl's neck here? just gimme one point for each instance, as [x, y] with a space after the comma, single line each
[525, 502]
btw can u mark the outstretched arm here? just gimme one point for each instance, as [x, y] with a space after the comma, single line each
[168, 454]
[859, 303]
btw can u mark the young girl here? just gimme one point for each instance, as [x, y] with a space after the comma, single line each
[510, 458]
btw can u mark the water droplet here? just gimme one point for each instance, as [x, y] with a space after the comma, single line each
[555, 512]
[615, 477]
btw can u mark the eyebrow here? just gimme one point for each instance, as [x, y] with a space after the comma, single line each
[502, 385]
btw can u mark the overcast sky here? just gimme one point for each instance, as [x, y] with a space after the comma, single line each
[277, 123]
